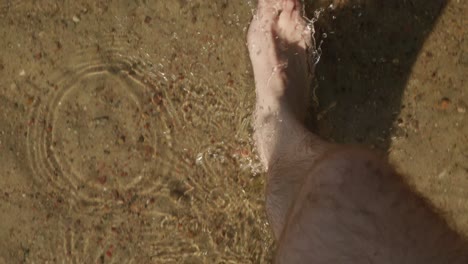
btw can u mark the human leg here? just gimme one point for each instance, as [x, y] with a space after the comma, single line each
[282, 73]
[331, 203]
[354, 208]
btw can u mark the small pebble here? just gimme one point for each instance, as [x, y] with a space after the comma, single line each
[461, 106]
[121, 140]
[22, 73]
[30, 100]
[76, 19]
[444, 103]
[134, 208]
[148, 19]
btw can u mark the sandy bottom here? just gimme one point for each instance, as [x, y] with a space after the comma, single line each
[125, 131]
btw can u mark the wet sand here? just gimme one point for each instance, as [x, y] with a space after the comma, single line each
[125, 131]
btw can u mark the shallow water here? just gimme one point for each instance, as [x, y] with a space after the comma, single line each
[126, 134]
[125, 130]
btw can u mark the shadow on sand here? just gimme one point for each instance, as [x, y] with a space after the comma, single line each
[368, 54]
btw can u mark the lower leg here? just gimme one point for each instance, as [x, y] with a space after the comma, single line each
[354, 208]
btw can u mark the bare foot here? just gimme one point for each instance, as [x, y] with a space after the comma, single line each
[279, 40]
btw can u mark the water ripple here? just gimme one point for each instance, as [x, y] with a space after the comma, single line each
[95, 131]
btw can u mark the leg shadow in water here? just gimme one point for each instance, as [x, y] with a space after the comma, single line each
[368, 50]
